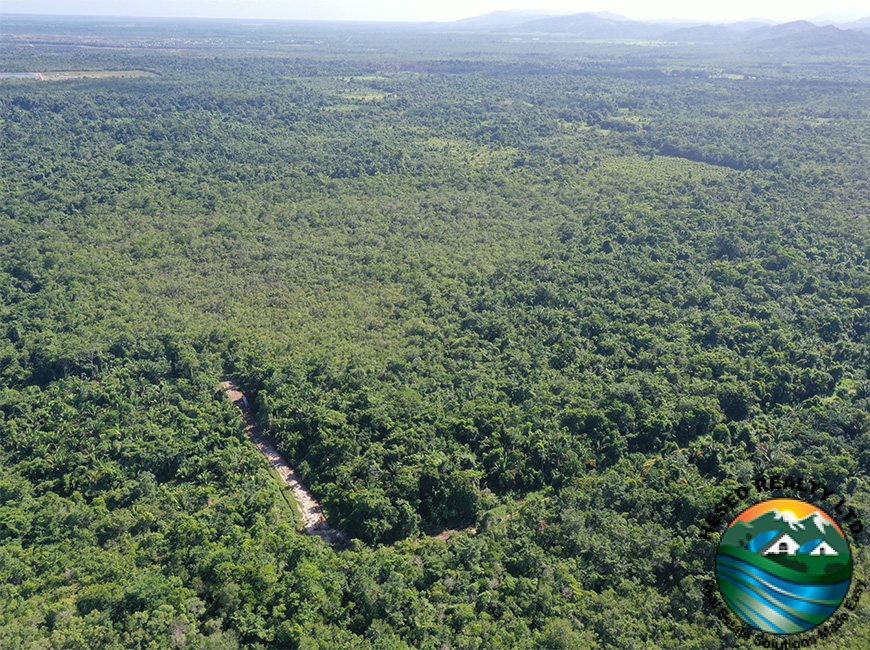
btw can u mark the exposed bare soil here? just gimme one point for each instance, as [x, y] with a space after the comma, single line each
[312, 514]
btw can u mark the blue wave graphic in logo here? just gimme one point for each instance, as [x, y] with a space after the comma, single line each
[774, 604]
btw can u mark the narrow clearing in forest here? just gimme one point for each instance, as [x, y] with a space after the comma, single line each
[312, 515]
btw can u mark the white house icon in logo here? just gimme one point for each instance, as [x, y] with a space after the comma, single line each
[783, 544]
[823, 549]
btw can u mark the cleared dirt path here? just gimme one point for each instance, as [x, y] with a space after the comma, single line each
[312, 515]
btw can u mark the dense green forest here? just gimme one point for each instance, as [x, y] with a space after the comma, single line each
[559, 296]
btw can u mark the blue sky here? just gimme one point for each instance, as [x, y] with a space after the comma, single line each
[780, 10]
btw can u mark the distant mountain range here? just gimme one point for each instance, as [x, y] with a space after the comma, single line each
[595, 26]
[608, 26]
[799, 32]
[502, 19]
[864, 24]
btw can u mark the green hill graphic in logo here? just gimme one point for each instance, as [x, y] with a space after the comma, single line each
[783, 566]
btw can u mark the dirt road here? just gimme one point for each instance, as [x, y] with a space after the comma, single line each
[314, 521]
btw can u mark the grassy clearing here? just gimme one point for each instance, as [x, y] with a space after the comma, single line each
[287, 504]
[69, 75]
[663, 168]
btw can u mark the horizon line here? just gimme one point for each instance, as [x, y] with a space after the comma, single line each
[423, 22]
